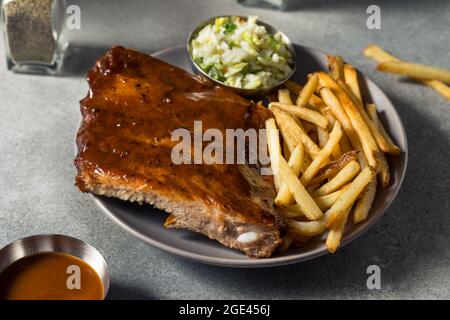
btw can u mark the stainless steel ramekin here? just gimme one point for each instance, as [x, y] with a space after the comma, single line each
[56, 243]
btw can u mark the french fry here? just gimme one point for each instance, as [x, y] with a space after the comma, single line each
[326, 201]
[438, 86]
[336, 66]
[315, 100]
[323, 155]
[308, 228]
[344, 143]
[368, 143]
[284, 96]
[286, 151]
[378, 54]
[351, 79]
[415, 70]
[306, 158]
[323, 136]
[290, 141]
[332, 168]
[301, 196]
[335, 234]
[384, 173]
[344, 176]
[381, 140]
[330, 99]
[372, 110]
[289, 127]
[337, 211]
[363, 206]
[306, 162]
[317, 103]
[337, 153]
[326, 126]
[273, 144]
[307, 91]
[303, 113]
[284, 196]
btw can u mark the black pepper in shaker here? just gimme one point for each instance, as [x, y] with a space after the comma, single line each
[32, 33]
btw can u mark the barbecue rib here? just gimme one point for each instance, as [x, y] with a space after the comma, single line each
[124, 144]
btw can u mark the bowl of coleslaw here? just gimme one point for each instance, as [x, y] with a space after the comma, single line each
[242, 53]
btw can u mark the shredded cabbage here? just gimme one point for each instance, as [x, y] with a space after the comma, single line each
[241, 53]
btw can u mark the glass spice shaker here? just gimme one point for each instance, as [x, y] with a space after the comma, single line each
[33, 34]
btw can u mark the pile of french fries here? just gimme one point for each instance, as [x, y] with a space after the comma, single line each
[429, 76]
[327, 148]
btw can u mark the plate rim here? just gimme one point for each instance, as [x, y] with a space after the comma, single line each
[271, 261]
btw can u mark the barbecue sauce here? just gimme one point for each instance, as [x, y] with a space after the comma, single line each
[47, 276]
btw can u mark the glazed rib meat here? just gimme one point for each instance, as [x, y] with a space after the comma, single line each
[134, 104]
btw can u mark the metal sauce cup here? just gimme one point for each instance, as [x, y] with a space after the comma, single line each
[258, 92]
[56, 243]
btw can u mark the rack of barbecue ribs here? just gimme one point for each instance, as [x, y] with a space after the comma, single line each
[134, 104]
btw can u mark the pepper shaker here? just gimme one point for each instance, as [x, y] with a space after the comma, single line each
[33, 35]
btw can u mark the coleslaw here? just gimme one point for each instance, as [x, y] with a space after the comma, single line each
[241, 53]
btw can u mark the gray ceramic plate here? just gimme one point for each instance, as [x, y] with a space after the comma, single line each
[146, 222]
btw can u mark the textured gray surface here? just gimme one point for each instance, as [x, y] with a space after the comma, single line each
[411, 244]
